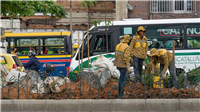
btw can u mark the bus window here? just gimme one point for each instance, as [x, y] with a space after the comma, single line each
[193, 36]
[193, 42]
[23, 45]
[99, 46]
[86, 46]
[163, 36]
[165, 43]
[52, 45]
[11, 46]
[128, 30]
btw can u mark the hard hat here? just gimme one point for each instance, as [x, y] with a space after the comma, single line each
[155, 40]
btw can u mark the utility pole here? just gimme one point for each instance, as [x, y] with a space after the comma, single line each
[71, 24]
[106, 31]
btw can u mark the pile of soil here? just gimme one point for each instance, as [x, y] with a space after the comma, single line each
[82, 90]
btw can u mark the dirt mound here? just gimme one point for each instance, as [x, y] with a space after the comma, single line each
[82, 90]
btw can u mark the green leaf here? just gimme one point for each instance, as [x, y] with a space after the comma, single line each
[27, 8]
[88, 5]
[99, 21]
[83, 4]
[95, 23]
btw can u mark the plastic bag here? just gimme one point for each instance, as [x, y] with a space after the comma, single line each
[96, 78]
[104, 75]
[36, 80]
[103, 62]
[2, 82]
[55, 82]
[3, 68]
[14, 74]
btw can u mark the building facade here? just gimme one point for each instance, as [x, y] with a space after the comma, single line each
[81, 16]
[115, 10]
[163, 9]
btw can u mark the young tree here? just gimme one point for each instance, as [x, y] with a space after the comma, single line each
[96, 22]
[16, 9]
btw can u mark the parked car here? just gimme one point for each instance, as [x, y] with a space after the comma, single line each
[11, 62]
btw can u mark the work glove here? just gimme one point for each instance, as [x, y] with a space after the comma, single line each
[163, 77]
[152, 72]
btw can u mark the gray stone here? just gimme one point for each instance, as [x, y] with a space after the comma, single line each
[116, 105]
[128, 105]
[192, 105]
[67, 105]
[41, 105]
[84, 105]
[162, 105]
[6, 105]
[51, 105]
[101, 105]
[16, 105]
[25, 105]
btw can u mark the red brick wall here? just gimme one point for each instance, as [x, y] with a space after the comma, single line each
[142, 10]
[76, 8]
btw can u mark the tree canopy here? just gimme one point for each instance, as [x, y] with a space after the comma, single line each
[16, 9]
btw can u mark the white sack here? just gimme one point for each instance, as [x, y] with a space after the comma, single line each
[4, 69]
[103, 62]
[13, 75]
[54, 83]
[36, 80]
[40, 89]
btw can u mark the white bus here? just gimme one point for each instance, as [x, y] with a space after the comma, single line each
[186, 33]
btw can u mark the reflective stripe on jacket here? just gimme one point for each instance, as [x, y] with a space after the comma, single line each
[119, 55]
[139, 46]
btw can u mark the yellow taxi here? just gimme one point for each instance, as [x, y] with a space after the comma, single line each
[11, 61]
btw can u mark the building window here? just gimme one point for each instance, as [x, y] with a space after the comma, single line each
[184, 5]
[175, 6]
[160, 6]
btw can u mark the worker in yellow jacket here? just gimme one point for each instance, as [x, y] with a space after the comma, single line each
[166, 60]
[122, 61]
[140, 48]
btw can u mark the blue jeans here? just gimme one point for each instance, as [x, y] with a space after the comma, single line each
[172, 71]
[122, 79]
[137, 65]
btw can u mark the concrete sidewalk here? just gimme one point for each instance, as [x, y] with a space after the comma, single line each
[122, 105]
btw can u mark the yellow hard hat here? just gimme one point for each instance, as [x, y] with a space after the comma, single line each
[153, 52]
[141, 28]
[126, 38]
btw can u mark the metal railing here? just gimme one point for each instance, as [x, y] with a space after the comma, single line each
[172, 6]
[88, 86]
